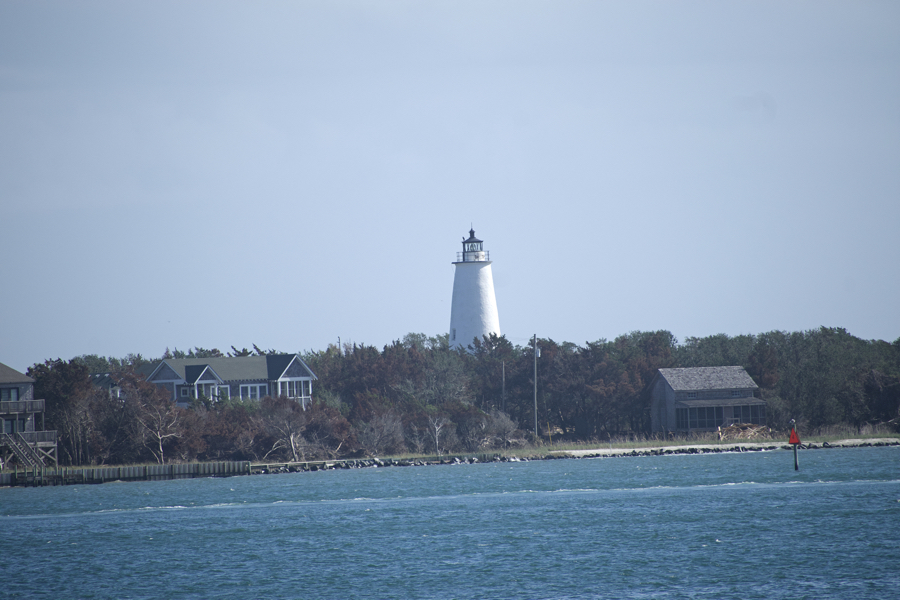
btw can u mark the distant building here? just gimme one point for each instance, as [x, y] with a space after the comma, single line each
[246, 377]
[111, 381]
[473, 311]
[23, 434]
[703, 399]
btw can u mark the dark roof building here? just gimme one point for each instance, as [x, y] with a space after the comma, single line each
[246, 377]
[111, 381]
[704, 399]
[10, 377]
[22, 434]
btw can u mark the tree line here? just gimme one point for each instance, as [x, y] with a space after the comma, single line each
[418, 395]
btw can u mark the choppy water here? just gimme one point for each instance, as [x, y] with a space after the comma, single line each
[709, 526]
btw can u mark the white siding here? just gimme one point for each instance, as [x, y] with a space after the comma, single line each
[473, 312]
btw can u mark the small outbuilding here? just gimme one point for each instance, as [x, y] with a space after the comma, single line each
[704, 399]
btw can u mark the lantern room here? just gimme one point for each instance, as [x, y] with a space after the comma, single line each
[473, 250]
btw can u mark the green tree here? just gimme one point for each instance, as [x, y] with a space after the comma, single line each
[68, 393]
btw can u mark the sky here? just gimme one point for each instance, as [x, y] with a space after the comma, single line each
[287, 174]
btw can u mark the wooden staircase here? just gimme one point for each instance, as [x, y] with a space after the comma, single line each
[28, 456]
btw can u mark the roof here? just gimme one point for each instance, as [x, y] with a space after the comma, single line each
[237, 368]
[278, 364]
[104, 380]
[193, 372]
[10, 375]
[708, 378]
[110, 380]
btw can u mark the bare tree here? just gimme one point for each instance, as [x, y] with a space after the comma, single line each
[284, 421]
[437, 423]
[444, 384]
[416, 438]
[141, 416]
[501, 427]
[383, 433]
[76, 427]
[160, 422]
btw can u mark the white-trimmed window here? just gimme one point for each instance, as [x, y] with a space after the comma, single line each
[254, 391]
[9, 395]
[185, 392]
[293, 389]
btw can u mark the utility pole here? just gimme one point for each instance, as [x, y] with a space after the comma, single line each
[534, 351]
[503, 393]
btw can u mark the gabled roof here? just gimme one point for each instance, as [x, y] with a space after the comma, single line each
[277, 364]
[104, 380]
[10, 375]
[192, 373]
[237, 368]
[708, 378]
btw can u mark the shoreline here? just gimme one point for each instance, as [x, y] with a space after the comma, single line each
[95, 475]
[455, 459]
[718, 448]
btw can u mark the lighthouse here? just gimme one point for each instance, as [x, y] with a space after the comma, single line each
[473, 312]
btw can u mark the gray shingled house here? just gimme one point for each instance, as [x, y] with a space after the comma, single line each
[703, 399]
[22, 422]
[246, 377]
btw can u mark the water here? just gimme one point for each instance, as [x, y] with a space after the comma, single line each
[683, 526]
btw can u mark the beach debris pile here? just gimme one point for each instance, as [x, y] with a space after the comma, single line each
[744, 431]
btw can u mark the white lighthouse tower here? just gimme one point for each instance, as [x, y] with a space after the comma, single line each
[473, 312]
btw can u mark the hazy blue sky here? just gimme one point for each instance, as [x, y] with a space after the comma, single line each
[179, 174]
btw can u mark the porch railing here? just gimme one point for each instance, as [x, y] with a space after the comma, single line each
[39, 437]
[21, 406]
[468, 256]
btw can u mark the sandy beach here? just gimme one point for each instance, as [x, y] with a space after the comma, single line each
[723, 447]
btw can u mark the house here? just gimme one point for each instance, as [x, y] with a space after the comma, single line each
[245, 377]
[703, 399]
[111, 382]
[22, 417]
